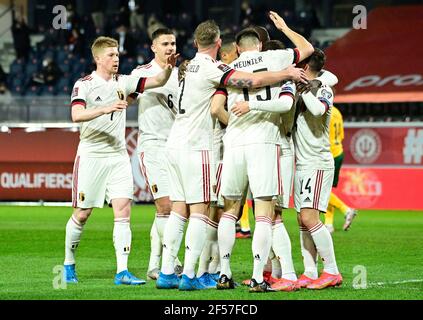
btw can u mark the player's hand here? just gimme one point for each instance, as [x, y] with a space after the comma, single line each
[315, 83]
[171, 60]
[182, 69]
[118, 106]
[278, 21]
[297, 74]
[240, 108]
[303, 87]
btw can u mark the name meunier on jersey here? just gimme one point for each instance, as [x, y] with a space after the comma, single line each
[247, 63]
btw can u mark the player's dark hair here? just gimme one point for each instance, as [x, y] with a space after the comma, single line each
[273, 45]
[246, 33]
[228, 39]
[263, 33]
[316, 61]
[161, 31]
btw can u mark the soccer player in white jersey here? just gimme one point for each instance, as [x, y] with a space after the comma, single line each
[314, 172]
[189, 145]
[209, 262]
[245, 138]
[283, 277]
[156, 114]
[102, 170]
[313, 179]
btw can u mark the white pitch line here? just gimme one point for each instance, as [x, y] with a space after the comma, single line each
[396, 282]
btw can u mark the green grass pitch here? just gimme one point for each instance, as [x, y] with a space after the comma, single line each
[387, 244]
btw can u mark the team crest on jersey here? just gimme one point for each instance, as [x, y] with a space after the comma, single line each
[224, 67]
[154, 188]
[121, 95]
[75, 92]
[81, 196]
[326, 94]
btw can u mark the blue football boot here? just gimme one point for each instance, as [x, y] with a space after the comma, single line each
[70, 273]
[167, 281]
[188, 284]
[207, 281]
[125, 277]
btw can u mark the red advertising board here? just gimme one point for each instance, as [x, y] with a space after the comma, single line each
[380, 188]
[383, 166]
[38, 165]
[384, 146]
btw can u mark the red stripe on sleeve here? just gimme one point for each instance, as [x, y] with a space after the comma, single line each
[141, 85]
[296, 55]
[78, 101]
[286, 94]
[227, 76]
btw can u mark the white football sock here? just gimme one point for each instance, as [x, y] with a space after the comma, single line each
[262, 242]
[156, 248]
[324, 244]
[276, 265]
[122, 237]
[214, 266]
[206, 254]
[73, 236]
[281, 244]
[160, 221]
[226, 239]
[172, 238]
[194, 242]
[309, 253]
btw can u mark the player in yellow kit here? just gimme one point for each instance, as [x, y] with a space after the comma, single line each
[336, 135]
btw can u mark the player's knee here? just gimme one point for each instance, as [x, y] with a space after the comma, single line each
[308, 220]
[82, 215]
[163, 205]
[232, 205]
[265, 206]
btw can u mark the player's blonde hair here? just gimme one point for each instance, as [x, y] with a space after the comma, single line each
[101, 43]
[207, 33]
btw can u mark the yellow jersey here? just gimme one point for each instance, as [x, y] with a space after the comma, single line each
[336, 132]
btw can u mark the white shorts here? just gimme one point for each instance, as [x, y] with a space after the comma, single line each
[153, 166]
[287, 171]
[190, 175]
[96, 180]
[256, 164]
[312, 189]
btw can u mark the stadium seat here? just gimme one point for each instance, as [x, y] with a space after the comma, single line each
[33, 91]
[17, 67]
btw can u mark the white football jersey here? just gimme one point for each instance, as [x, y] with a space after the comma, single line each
[256, 126]
[219, 131]
[104, 135]
[311, 135]
[156, 107]
[193, 126]
[287, 118]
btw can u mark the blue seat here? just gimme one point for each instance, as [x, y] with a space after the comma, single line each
[17, 67]
[32, 91]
